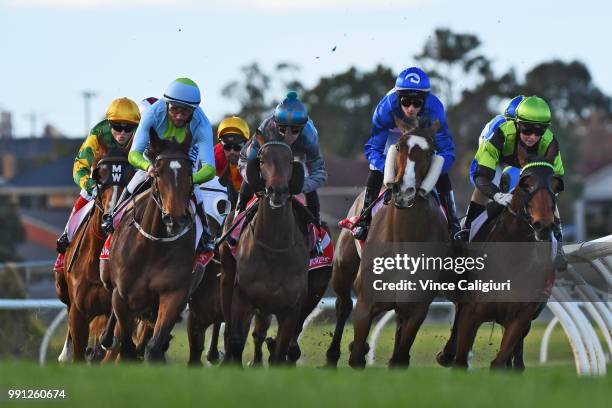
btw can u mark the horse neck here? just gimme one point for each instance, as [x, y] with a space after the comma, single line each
[509, 228]
[275, 226]
[151, 217]
[410, 224]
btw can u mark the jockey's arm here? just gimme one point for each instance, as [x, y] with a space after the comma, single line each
[83, 162]
[141, 141]
[487, 157]
[203, 142]
[374, 149]
[317, 174]
[445, 146]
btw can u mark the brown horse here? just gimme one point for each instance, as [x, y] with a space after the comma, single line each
[529, 218]
[153, 251]
[80, 286]
[413, 217]
[205, 309]
[271, 265]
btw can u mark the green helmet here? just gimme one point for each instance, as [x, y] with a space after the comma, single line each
[533, 109]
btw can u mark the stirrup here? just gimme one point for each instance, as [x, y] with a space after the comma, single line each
[463, 235]
[360, 232]
[62, 243]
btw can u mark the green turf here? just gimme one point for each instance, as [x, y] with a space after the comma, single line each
[175, 385]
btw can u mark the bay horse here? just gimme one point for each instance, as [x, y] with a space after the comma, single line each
[414, 216]
[80, 286]
[152, 252]
[270, 272]
[529, 218]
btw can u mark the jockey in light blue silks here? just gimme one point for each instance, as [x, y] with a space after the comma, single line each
[169, 117]
[410, 98]
[291, 123]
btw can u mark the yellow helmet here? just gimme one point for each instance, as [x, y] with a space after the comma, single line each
[234, 125]
[123, 110]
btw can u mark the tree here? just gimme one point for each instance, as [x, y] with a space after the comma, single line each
[342, 105]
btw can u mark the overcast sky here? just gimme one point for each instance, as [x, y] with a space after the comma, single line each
[53, 50]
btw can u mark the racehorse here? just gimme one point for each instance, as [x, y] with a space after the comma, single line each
[270, 270]
[80, 286]
[528, 218]
[413, 215]
[152, 252]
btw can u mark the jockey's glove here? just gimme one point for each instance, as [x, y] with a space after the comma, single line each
[89, 186]
[503, 198]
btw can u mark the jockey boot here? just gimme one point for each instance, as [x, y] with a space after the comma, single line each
[474, 210]
[560, 261]
[207, 241]
[448, 202]
[360, 231]
[62, 242]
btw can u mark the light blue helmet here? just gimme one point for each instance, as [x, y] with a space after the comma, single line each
[412, 79]
[291, 111]
[183, 91]
[510, 111]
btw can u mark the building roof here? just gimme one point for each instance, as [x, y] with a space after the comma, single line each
[57, 173]
[597, 186]
[37, 147]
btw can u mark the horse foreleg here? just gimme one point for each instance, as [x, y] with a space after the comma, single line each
[262, 324]
[408, 330]
[513, 335]
[171, 306]
[286, 329]
[317, 285]
[362, 320]
[242, 311]
[213, 351]
[125, 322]
[446, 356]
[467, 327]
[67, 353]
[344, 307]
[79, 331]
[195, 334]
[144, 332]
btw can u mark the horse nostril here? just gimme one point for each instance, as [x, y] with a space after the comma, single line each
[537, 225]
[167, 219]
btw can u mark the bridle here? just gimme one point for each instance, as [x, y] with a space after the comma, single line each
[157, 199]
[268, 192]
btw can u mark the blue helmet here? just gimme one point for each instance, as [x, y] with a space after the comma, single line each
[412, 79]
[183, 91]
[510, 111]
[291, 111]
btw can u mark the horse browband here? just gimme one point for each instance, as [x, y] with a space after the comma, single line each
[274, 142]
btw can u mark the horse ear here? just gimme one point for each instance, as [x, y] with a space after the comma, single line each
[406, 126]
[296, 183]
[557, 184]
[522, 155]
[551, 153]
[254, 175]
[260, 138]
[154, 143]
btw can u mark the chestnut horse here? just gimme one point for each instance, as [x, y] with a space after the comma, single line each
[80, 286]
[270, 272]
[528, 218]
[153, 251]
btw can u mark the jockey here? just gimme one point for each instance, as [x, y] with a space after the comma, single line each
[487, 132]
[531, 129]
[169, 117]
[116, 130]
[233, 133]
[409, 98]
[291, 121]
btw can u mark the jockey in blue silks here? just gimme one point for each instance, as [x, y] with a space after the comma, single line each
[410, 98]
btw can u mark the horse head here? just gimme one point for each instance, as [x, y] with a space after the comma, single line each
[534, 199]
[172, 174]
[112, 173]
[408, 166]
[274, 171]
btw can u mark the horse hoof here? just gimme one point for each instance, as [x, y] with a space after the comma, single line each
[271, 344]
[294, 353]
[113, 345]
[443, 359]
[195, 363]
[255, 364]
[214, 358]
